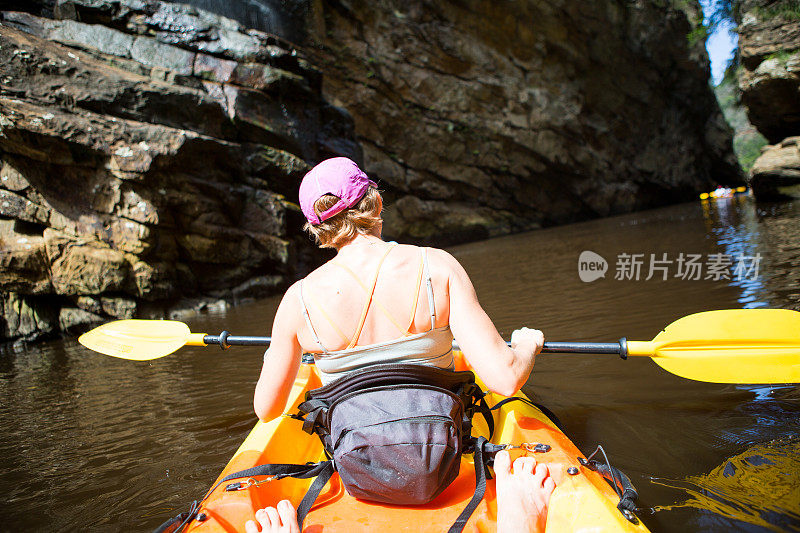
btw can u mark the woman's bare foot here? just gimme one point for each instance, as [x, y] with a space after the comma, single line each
[272, 520]
[522, 494]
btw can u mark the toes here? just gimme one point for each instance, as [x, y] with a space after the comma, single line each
[524, 465]
[263, 518]
[540, 474]
[549, 486]
[288, 516]
[274, 519]
[502, 464]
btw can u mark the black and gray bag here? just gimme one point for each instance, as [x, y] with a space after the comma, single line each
[395, 433]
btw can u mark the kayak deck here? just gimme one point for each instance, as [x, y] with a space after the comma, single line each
[581, 502]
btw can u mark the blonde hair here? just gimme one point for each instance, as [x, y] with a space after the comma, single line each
[342, 227]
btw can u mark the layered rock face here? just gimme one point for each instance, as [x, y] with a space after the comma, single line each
[776, 174]
[146, 153]
[485, 117]
[151, 151]
[769, 45]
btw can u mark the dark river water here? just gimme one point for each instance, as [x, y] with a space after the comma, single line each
[93, 443]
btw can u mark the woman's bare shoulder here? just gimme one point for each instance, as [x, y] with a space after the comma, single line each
[292, 297]
[320, 273]
[442, 259]
[436, 256]
[294, 289]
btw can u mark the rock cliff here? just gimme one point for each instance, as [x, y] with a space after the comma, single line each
[485, 117]
[769, 80]
[150, 151]
[146, 154]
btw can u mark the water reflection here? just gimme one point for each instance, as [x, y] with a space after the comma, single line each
[771, 233]
[757, 487]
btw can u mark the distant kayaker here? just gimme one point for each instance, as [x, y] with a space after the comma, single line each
[523, 495]
[379, 302]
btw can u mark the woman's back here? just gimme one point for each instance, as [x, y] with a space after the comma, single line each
[337, 294]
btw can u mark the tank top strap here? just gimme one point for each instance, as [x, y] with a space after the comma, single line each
[416, 293]
[376, 302]
[371, 293]
[429, 285]
[368, 303]
[308, 319]
[332, 322]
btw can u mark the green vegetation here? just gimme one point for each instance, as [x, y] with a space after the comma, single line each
[783, 55]
[697, 35]
[786, 9]
[690, 8]
[747, 142]
[747, 147]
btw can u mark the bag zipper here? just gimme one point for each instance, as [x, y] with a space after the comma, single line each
[389, 388]
[412, 419]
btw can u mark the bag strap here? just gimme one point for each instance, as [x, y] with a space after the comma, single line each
[313, 414]
[313, 491]
[547, 412]
[322, 470]
[483, 458]
[477, 403]
[480, 488]
[484, 455]
[278, 470]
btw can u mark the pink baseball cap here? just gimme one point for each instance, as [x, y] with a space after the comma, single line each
[338, 176]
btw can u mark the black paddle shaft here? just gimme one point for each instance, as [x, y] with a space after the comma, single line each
[620, 348]
[225, 340]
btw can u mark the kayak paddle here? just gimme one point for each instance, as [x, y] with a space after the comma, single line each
[728, 346]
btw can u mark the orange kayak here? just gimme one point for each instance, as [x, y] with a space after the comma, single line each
[583, 499]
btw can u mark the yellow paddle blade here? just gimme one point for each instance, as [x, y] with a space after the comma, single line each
[732, 346]
[138, 340]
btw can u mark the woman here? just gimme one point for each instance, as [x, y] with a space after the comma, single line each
[379, 302]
